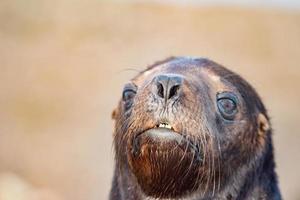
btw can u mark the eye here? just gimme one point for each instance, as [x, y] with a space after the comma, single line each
[227, 105]
[128, 95]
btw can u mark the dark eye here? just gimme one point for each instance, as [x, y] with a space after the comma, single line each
[128, 95]
[227, 105]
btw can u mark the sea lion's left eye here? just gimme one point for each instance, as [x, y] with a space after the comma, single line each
[227, 105]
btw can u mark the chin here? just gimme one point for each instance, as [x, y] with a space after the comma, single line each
[166, 163]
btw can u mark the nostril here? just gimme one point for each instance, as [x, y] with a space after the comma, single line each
[160, 90]
[173, 91]
[167, 86]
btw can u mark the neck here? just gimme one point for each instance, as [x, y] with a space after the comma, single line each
[255, 180]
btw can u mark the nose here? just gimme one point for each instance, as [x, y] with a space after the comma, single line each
[168, 85]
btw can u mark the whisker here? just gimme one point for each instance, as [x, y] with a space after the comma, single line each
[185, 151]
[129, 69]
[198, 173]
[214, 169]
[219, 164]
[209, 163]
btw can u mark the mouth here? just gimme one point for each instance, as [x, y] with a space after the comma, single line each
[164, 138]
[162, 155]
[165, 125]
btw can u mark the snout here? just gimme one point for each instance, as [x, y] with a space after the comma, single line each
[167, 87]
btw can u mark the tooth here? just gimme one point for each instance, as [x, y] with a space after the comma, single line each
[164, 125]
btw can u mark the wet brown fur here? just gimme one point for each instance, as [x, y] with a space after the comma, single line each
[237, 157]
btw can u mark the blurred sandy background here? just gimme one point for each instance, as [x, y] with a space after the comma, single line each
[63, 64]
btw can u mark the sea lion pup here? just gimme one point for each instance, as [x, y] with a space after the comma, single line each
[190, 129]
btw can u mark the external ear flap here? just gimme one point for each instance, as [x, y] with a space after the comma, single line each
[114, 114]
[263, 127]
[263, 124]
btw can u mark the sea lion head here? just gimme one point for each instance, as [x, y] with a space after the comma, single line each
[186, 125]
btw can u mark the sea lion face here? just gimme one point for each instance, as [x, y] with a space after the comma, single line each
[186, 125]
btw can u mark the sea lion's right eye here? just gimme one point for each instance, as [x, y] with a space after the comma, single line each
[128, 95]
